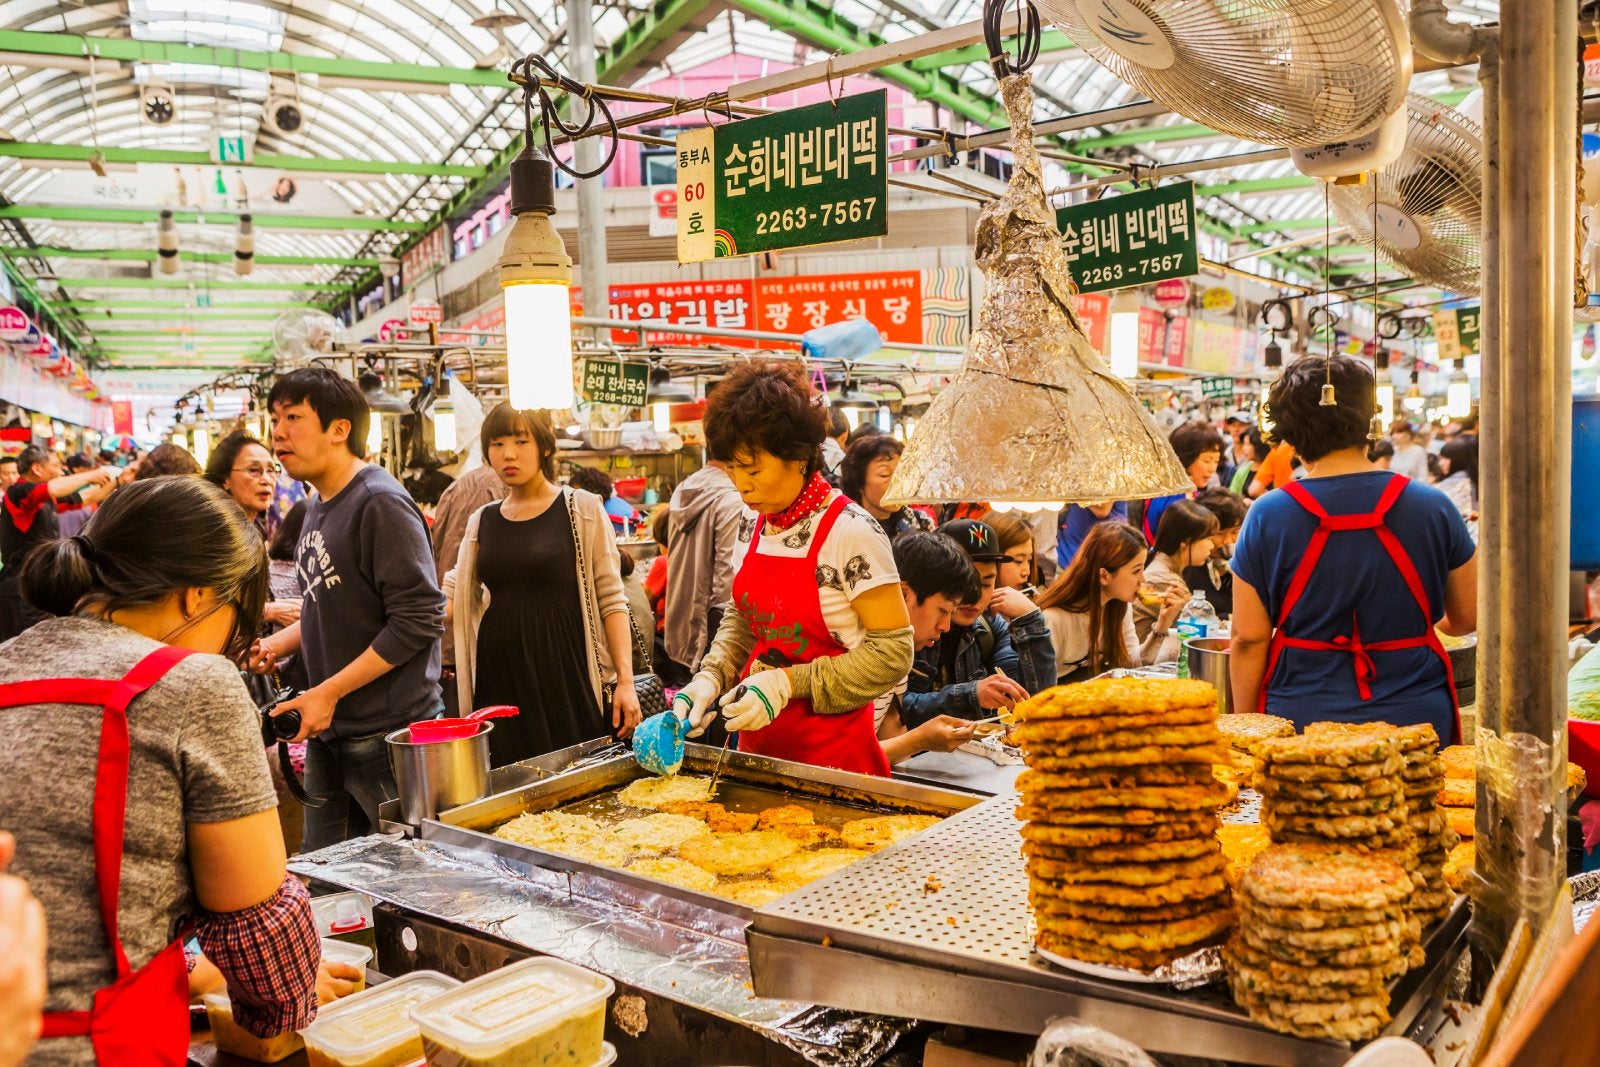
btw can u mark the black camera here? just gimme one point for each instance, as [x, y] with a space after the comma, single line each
[283, 727]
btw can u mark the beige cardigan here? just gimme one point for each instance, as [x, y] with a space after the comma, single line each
[600, 585]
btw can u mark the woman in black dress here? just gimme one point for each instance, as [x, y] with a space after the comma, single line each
[537, 603]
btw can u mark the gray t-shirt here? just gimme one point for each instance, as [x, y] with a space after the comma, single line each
[195, 756]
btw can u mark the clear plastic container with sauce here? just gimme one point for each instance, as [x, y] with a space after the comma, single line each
[374, 1029]
[541, 1012]
[345, 917]
[357, 956]
[235, 1040]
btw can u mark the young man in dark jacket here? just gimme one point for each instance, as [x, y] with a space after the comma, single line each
[997, 652]
[372, 615]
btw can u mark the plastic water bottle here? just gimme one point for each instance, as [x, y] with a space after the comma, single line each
[1197, 619]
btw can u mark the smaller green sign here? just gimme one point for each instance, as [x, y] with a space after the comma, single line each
[611, 381]
[1216, 387]
[232, 150]
[1132, 239]
[808, 176]
[1467, 328]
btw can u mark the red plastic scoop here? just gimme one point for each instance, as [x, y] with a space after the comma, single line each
[432, 730]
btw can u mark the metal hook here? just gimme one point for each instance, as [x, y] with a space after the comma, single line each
[828, 81]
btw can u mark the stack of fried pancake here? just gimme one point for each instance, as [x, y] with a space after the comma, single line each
[1119, 805]
[1340, 784]
[1321, 930]
[1421, 778]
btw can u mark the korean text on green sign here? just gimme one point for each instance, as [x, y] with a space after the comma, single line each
[1216, 387]
[1132, 239]
[1456, 332]
[611, 381]
[809, 176]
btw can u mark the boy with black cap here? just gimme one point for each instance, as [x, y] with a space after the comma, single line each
[997, 652]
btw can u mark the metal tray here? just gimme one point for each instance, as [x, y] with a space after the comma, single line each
[876, 937]
[471, 825]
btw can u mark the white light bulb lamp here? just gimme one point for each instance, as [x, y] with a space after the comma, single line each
[1125, 344]
[536, 274]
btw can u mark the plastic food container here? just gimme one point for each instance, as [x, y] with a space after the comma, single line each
[374, 1029]
[345, 917]
[538, 1013]
[357, 956]
[235, 1040]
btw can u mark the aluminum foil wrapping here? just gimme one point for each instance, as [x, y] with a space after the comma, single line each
[1521, 868]
[684, 953]
[1034, 414]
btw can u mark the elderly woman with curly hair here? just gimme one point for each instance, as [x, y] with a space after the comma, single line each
[1340, 578]
[818, 627]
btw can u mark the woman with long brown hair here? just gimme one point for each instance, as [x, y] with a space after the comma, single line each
[1087, 607]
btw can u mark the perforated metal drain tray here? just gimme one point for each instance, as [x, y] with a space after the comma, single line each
[938, 928]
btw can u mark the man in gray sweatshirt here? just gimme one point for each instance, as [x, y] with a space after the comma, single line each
[372, 615]
[706, 513]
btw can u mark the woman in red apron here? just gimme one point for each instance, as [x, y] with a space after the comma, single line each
[818, 627]
[1342, 577]
[128, 685]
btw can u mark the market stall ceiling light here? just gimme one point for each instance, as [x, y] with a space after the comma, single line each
[250, 81]
[217, 23]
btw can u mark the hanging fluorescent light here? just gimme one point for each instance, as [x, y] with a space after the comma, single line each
[1125, 344]
[444, 430]
[852, 417]
[167, 244]
[1458, 398]
[661, 416]
[375, 434]
[536, 275]
[885, 419]
[200, 445]
[244, 247]
[1386, 403]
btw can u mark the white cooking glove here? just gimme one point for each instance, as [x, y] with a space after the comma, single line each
[697, 702]
[757, 700]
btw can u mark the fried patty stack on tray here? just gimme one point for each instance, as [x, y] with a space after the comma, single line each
[1321, 930]
[1340, 784]
[1119, 810]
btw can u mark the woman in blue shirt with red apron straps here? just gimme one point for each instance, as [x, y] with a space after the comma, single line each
[1342, 577]
[818, 627]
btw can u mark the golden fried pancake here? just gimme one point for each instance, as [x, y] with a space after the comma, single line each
[703, 810]
[1340, 826]
[1434, 900]
[548, 829]
[1330, 749]
[1415, 774]
[1065, 729]
[1089, 952]
[1331, 938]
[1047, 733]
[1374, 787]
[1174, 797]
[1458, 793]
[786, 815]
[1172, 774]
[1381, 804]
[1143, 937]
[1243, 729]
[1095, 836]
[1459, 761]
[1427, 824]
[732, 822]
[1048, 758]
[1462, 820]
[1112, 696]
[748, 853]
[654, 792]
[805, 867]
[1153, 852]
[755, 892]
[1173, 892]
[1316, 918]
[1102, 816]
[1238, 954]
[1127, 873]
[1358, 956]
[658, 832]
[1394, 840]
[808, 834]
[1323, 876]
[675, 871]
[1109, 913]
[1287, 771]
[883, 830]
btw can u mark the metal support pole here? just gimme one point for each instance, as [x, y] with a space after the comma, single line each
[1521, 803]
[587, 155]
[1491, 481]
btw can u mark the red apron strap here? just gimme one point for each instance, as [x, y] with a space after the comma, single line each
[824, 528]
[111, 785]
[91, 691]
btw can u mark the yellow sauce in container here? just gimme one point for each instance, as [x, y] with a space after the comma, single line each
[374, 1028]
[542, 1012]
[235, 1040]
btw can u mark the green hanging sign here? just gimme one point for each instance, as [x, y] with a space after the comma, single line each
[808, 176]
[611, 381]
[1133, 239]
[1212, 388]
[1467, 332]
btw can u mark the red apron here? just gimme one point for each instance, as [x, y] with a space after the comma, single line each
[1359, 652]
[142, 1019]
[778, 596]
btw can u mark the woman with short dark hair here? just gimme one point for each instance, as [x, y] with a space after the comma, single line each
[554, 630]
[1199, 449]
[819, 628]
[1341, 579]
[864, 477]
[166, 459]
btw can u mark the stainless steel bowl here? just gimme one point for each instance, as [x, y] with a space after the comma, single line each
[1208, 661]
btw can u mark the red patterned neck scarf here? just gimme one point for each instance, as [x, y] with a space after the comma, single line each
[809, 500]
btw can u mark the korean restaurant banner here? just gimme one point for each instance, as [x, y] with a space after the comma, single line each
[890, 300]
[1152, 335]
[1094, 314]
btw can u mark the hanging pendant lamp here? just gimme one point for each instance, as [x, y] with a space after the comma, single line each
[1035, 414]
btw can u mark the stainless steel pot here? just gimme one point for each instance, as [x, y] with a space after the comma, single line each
[1208, 661]
[440, 774]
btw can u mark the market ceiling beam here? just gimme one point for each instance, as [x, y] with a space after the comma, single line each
[150, 255]
[71, 153]
[184, 305]
[1050, 41]
[141, 216]
[75, 49]
[1284, 225]
[96, 319]
[199, 285]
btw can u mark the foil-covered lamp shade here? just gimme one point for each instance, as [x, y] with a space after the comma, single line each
[1035, 414]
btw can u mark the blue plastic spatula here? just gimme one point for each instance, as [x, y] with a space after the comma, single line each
[658, 743]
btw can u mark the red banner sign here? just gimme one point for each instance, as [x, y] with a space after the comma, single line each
[891, 301]
[1094, 314]
[1152, 334]
[1177, 346]
[122, 416]
[13, 323]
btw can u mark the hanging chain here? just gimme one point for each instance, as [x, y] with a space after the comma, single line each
[1328, 398]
